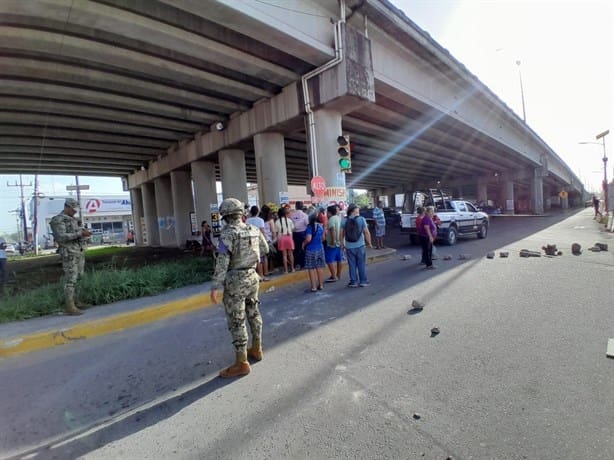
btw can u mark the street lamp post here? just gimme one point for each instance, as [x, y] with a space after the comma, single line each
[605, 167]
[524, 115]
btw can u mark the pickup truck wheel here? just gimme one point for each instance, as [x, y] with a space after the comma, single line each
[452, 236]
[483, 231]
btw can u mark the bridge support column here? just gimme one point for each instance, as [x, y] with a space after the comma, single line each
[136, 198]
[152, 234]
[547, 197]
[482, 192]
[205, 193]
[270, 166]
[183, 205]
[327, 129]
[507, 194]
[164, 210]
[234, 175]
[564, 199]
[537, 191]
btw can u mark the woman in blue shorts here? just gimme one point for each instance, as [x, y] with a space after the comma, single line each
[314, 252]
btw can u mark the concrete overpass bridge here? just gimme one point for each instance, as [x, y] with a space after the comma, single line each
[173, 95]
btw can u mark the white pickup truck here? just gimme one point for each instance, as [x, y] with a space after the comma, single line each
[458, 217]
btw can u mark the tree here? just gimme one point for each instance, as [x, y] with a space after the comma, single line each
[362, 200]
[10, 236]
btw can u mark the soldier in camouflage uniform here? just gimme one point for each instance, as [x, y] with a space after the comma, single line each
[70, 237]
[239, 250]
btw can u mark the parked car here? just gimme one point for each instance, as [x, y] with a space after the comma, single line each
[10, 248]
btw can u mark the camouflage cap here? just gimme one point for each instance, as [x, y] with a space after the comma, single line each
[231, 206]
[71, 203]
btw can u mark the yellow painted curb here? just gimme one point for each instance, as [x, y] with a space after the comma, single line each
[122, 321]
[89, 329]
[40, 340]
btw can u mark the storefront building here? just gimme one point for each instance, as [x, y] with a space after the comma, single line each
[108, 217]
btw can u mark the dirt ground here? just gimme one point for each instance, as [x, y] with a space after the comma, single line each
[27, 272]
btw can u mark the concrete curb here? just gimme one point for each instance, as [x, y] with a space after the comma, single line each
[30, 342]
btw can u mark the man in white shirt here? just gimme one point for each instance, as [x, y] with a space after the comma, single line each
[257, 222]
[300, 221]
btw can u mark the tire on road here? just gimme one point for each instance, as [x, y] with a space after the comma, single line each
[452, 236]
[483, 232]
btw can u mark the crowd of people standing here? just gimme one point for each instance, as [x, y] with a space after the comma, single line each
[311, 238]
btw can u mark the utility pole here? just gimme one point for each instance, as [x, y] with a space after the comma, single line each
[23, 205]
[35, 219]
[524, 114]
[78, 188]
[78, 193]
[605, 169]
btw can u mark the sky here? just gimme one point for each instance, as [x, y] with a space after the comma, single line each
[10, 192]
[566, 54]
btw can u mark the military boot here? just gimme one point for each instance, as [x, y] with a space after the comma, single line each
[255, 352]
[239, 368]
[71, 309]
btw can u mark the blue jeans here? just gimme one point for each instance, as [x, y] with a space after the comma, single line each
[299, 252]
[357, 262]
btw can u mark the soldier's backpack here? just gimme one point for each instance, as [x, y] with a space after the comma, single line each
[352, 230]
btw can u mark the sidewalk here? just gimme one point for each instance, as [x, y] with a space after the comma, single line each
[46, 332]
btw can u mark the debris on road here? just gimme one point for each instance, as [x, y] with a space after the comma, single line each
[416, 307]
[464, 256]
[576, 249]
[490, 255]
[527, 253]
[417, 416]
[598, 247]
[434, 331]
[504, 254]
[551, 250]
[610, 351]
[447, 257]
[406, 257]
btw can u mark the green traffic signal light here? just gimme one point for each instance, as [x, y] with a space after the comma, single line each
[344, 153]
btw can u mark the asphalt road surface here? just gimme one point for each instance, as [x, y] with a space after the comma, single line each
[518, 370]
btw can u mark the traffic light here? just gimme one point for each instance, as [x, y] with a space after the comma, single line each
[345, 153]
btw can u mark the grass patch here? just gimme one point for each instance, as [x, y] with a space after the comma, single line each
[106, 250]
[107, 284]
